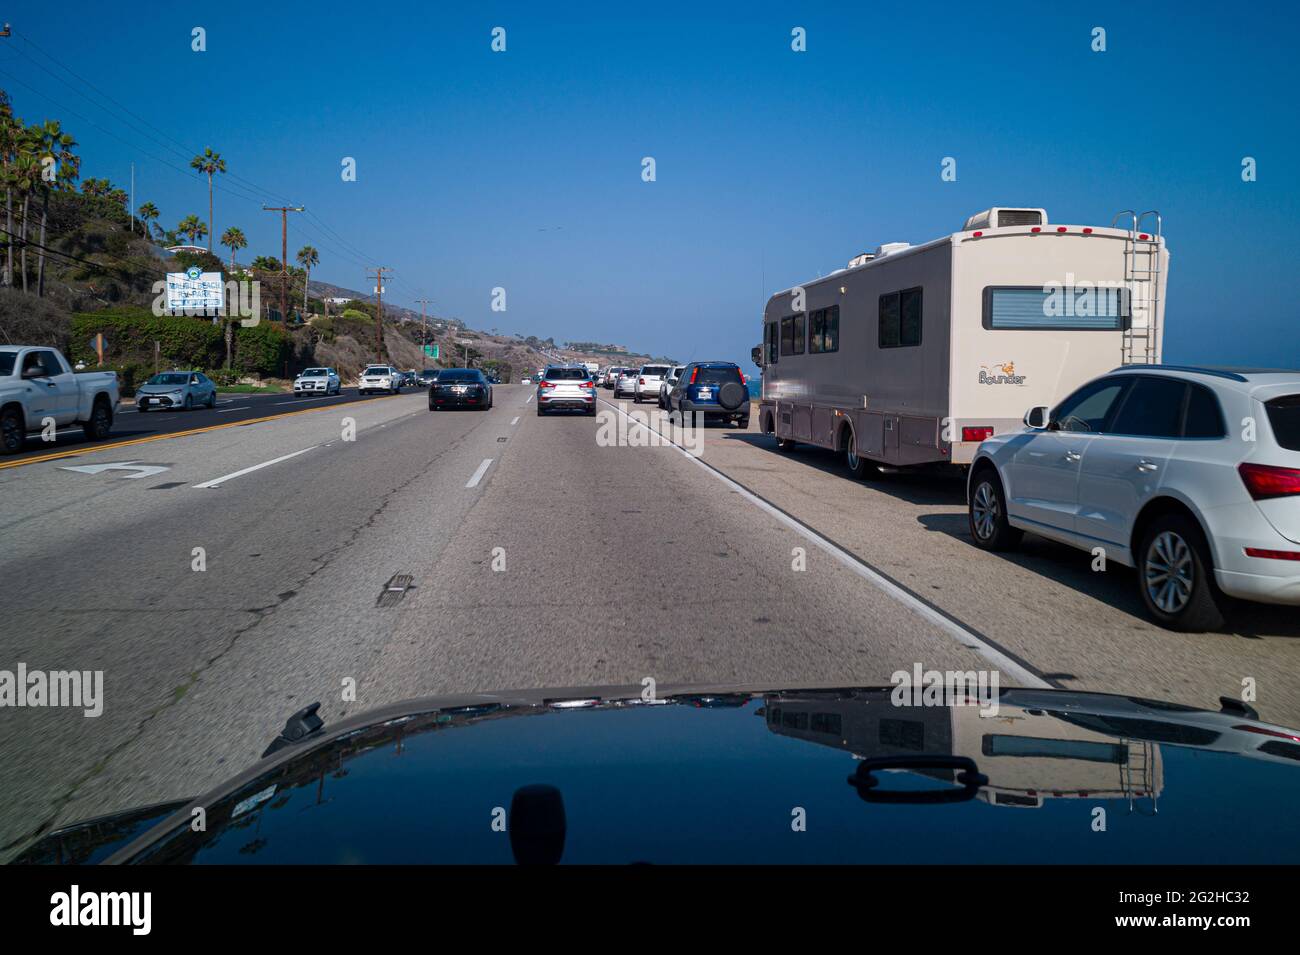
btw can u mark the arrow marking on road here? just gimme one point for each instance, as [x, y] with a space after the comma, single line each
[142, 470]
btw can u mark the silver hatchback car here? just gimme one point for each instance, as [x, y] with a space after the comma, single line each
[566, 386]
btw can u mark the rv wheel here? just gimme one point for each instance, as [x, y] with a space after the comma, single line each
[859, 467]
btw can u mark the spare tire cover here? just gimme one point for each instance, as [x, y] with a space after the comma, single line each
[732, 395]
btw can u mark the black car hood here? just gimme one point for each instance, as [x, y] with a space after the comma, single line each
[735, 774]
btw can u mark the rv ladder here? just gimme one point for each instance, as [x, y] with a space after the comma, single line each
[1141, 340]
[1135, 775]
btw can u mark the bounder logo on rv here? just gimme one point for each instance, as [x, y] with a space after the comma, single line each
[1000, 373]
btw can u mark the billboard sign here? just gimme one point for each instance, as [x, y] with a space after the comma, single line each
[196, 291]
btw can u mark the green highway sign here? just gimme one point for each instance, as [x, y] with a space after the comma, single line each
[431, 351]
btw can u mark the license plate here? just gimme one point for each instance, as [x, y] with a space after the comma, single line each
[458, 389]
[705, 393]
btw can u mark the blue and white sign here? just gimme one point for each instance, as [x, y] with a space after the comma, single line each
[195, 291]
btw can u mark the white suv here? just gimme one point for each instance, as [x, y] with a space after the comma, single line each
[381, 378]
[648, 382]
[1191, 475]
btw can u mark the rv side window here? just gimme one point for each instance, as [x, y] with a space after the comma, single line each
[824, 330]
[799, 321]
[787, 335]
[900, 319]
[771, 333]
[1055, 307]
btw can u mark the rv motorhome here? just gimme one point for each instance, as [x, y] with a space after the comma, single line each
[915, 354]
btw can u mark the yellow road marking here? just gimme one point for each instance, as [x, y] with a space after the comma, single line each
[93, 449]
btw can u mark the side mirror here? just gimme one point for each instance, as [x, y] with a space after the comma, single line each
[1036, 417]
[756, 353]
[35, 371]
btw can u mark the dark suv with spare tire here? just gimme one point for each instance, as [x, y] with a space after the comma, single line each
[716, 389]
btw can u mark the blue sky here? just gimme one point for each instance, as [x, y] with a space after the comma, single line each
[523, 169]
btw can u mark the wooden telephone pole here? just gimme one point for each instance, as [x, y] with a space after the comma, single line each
[424, 324]
[284, 257]
[379, 310]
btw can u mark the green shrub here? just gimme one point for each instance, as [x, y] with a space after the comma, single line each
[131, 334]
[261, 350]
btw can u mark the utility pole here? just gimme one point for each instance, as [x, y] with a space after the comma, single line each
[379, 310]
[284, 257]
[424, 324]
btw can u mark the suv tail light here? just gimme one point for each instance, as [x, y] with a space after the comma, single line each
[640, 381]
[694, 372]
[1264, 481]
[976, 434]
[545, 384]
[588, 384]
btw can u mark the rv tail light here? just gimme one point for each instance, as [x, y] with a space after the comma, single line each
[1060, 228]
[1035, 229]
[977, 234]
[1264, 481]
[1143, 236]
[1272, 554]
[976, 434]
[1087, 231]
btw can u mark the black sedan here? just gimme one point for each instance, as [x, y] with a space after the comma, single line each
[460, 388]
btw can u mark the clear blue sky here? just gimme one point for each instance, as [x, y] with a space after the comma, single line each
[523, 169]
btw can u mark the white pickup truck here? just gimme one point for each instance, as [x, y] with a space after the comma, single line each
[39, 392]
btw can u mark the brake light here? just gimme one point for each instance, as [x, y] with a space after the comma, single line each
[694, 372]
[977, 434]
[743, 379]
[640, 381]
[588, 384]
[1272, 554]
[545, 384]
[1264, 481]
[1265, 732]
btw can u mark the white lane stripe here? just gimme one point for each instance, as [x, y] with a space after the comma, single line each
[298, 401]
[516, 421]
[959, 633]
[531, 396]
[240, 408]
[217, 482]
[478, 475]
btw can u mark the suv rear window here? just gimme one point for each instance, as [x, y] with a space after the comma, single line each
[655, 371]
[717, 376]
[1284, 416]
[566, 374]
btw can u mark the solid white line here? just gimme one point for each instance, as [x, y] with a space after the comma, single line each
[217, 482]
[478, 475]
[531, 396]
[298, 401]
[240, 408]
[961, 634]
[516, 421]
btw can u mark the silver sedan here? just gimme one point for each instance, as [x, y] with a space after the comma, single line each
[176, 389]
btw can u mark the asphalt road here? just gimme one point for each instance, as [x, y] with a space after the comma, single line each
[132, 426]
[540, 554]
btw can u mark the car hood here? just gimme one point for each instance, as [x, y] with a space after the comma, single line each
[741, 774]
[159, 389]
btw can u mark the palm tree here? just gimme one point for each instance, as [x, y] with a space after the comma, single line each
[233, 239]
[53, 143]
[192, 227]
[210, 163]
[27, 179]
[308, 257]
[147, 213]
[10, 129]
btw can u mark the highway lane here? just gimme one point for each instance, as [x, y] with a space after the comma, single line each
[538, 556]
[131, 425]
[619, 564]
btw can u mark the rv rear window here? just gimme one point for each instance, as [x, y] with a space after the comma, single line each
[900, 319]
[824, 330]
[1056, 307]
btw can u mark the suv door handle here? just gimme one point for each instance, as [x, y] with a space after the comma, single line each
[1147, 466]
[1072, 456]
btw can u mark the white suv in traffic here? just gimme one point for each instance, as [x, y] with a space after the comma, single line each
[380, 378]
[1191, 475]
[648, 382]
